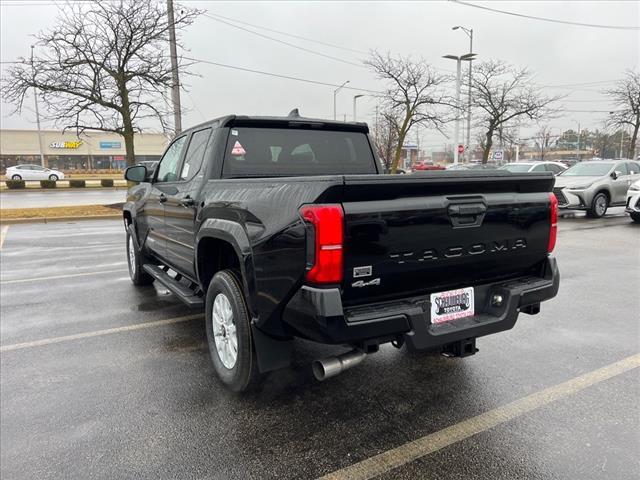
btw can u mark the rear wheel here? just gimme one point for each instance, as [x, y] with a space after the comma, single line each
[16, 177]
[635, 216]
[599, 205]
[135, 260]
[53, 178]
[229, 333]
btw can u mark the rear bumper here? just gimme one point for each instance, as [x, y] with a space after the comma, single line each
[318, 314]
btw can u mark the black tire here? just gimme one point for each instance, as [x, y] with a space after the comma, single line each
[16, 177]
[599, 205]
[635, 216]
[243, 374]
[53, 178]
[135, 261]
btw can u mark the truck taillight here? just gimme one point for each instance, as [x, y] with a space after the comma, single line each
[326, 223]
[553, 232]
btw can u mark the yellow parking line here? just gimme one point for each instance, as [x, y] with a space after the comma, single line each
[3, 235]
[394, 458]
[97, 333]
[55, 277]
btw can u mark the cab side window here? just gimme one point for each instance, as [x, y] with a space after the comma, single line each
[634, 168]
[168, 168]
[195, 154]
[538, 168]
[622, 168]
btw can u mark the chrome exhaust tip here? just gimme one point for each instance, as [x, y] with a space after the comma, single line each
[332, 366]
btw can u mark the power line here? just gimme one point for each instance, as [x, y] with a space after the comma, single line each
[283, 42]
[277, 75]
[569, 85]
[543, 19]
[289, 34]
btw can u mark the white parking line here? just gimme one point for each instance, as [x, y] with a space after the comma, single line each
[55, 277]
[97, 333]
[3, 235]
[411, 451]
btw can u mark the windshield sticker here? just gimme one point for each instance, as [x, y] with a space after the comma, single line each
[238, 149]
[234, 133]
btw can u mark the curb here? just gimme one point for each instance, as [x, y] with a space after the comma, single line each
[16, 221]
[62, 189]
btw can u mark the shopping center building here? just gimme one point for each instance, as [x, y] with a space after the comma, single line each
[91, 150]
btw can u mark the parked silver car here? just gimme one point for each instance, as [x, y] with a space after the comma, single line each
[595, 186]
[520, 167]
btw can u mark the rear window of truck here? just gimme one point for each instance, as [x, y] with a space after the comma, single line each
[289, 152]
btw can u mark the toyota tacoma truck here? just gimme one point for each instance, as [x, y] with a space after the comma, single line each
[284, 227]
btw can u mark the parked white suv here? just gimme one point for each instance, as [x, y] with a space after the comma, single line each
[33, 172]
[633, 201]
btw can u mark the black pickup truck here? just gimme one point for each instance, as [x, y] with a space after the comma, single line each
[284, 227]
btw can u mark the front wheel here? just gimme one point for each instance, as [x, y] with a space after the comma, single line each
[229, 333]
[135, 261]
[635, 216]
[599, 206]
[53, 178]
[16, 177]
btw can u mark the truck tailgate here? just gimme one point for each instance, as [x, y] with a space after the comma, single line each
[424, 233]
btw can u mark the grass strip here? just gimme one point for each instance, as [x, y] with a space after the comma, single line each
[53, 212]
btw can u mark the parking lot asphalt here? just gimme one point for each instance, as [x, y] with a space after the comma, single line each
[60, 198]
[99, 379]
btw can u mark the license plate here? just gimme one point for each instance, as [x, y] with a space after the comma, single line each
[451, 305]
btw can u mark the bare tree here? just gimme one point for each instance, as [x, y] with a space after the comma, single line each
[414, 93]
[543, 140]
[505, 95]
[386, 138]
[104, 66]
[626, 96]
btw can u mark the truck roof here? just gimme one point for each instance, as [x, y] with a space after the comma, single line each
[284, 122]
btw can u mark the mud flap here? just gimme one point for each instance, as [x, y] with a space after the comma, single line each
[272, 353]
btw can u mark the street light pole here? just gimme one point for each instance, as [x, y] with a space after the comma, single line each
[467, 57]
[355, 97]
[469, 33]
[335, 92]
[35, 98]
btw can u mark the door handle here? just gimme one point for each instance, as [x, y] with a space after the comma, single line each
[188, 201]
[163, 198]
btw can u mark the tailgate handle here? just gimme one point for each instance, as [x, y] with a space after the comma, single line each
[467, 215]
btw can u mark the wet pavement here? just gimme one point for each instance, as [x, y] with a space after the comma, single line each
[61, 198]
[144, 403]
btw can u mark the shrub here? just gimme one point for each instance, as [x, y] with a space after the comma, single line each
[14, 184]
[106, 182]
[48, 183]
[77, 183]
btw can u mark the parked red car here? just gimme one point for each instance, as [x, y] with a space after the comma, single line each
[426, 166]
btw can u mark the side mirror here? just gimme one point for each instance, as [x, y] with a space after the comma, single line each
[137, 173]
[616, 174]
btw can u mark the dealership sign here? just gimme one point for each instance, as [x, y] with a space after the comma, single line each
[68, 145]
[105, 145]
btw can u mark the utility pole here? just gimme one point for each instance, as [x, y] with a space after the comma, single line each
[175, 88]
[621, 142]
[35, 98]
[578, 152]
[459, 60]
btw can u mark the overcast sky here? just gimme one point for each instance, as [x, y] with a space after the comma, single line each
[558, 54]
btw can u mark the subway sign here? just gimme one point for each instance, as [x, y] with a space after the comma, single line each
[67, 145]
